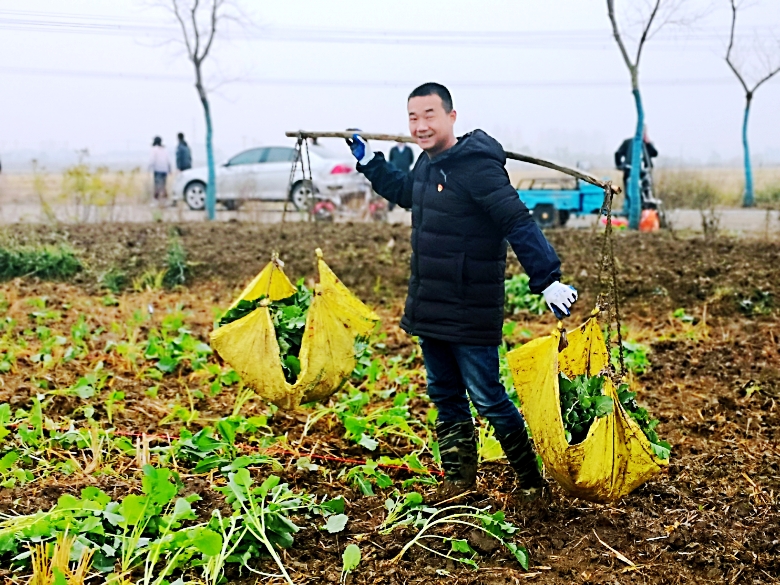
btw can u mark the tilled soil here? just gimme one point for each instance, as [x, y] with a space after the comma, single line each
[656, 270]
[714, 383]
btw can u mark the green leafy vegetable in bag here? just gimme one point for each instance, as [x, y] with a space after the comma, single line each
[289, 319]
[582, 402]
[661, 448]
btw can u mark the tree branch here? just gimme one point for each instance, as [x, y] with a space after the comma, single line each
[731, 46]
[214, 8]
[769, 76]
[616, 34]
[196, 32]
[646, 31]
[183, 28]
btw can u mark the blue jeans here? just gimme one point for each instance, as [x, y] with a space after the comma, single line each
[457, 368]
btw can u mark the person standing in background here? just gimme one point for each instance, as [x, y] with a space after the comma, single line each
[183, 154]
[160, 165]
[401, 157]
[623, 162]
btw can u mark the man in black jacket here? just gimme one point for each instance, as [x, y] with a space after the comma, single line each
[401, 157]
[623, 161]
[183, 154]
[464, 210]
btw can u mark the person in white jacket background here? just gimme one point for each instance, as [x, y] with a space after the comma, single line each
[160, 165]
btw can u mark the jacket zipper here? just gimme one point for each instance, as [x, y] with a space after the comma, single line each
[417, 253]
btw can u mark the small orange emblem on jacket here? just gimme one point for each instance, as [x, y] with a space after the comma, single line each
[441, 187]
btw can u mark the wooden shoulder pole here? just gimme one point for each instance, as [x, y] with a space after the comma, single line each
[510, 155]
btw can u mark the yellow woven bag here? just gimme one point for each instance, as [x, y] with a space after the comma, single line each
[616, 457]
[335, 321]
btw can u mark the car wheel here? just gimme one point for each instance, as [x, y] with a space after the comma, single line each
[195, 195]
[302, 195]
[545, 215]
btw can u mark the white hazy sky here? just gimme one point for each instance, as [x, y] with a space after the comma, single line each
[543, 76]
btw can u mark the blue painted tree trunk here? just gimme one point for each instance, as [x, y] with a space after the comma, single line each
[211, 187]
[749, 197]
[634, 198]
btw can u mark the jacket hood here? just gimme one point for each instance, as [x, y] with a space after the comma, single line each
[475, 143]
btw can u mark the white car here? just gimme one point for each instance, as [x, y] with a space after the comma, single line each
[264, 174]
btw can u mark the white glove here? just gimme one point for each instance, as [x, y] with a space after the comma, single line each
[360, 149]
[560, 297]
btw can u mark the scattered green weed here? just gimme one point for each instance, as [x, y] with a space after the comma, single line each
[114, 280]
[634, 357]
[425, 519]
[177, 268]
[46, 262]
[518, 296]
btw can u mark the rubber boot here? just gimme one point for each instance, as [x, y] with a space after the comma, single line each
[458, 450]
[520, 453]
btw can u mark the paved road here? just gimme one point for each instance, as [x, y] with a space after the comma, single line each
[734, 220]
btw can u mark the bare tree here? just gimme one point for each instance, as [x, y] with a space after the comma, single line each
[768, 69]
[657, 14]
[199, 27]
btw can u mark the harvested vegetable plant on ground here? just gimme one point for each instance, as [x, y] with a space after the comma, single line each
[130, 447]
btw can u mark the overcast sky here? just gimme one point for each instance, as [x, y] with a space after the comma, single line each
[543, 76]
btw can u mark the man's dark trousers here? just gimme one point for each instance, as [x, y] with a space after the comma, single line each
[455, 369]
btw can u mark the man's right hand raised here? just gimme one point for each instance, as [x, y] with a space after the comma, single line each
[360, 148]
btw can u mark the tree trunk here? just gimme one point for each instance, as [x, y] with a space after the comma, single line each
[749, 198]
[637, 152]
[211, 187]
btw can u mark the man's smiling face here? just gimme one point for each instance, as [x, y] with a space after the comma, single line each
[431, 126]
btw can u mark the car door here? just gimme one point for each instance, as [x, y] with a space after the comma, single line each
[237, 177]
[274, 173]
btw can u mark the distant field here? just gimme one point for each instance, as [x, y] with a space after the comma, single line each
[680, 188]
[65, 188]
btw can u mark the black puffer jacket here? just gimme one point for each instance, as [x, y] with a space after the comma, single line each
[463, 210]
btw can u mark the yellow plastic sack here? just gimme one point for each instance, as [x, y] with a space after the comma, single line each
[616, 457]
[336, 319]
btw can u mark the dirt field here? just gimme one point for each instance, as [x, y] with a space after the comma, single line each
[707, 309]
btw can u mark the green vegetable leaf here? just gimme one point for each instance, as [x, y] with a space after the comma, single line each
[207, 541]
[334, 506]
[520, 553]
[350, 558]
[336, 523]
[461, 546]
[368, 442]
[602, 406]
[132, 509]
[159, 485]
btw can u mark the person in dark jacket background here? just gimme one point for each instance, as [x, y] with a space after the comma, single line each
[623, 161]
[401, 157]
[183, 154]
[464, 211]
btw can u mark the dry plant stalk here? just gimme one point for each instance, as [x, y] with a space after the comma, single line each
[142, 455]
[45, 570]
[96, 446]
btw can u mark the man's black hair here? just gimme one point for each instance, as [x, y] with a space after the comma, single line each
[180, 136]
[432, 88]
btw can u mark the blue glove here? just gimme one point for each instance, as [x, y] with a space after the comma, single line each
[360, 148]
[560, 297]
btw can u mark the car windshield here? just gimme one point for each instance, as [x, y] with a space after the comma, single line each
[280, 154]
[248, 157]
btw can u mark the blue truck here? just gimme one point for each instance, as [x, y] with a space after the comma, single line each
[552, 201]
